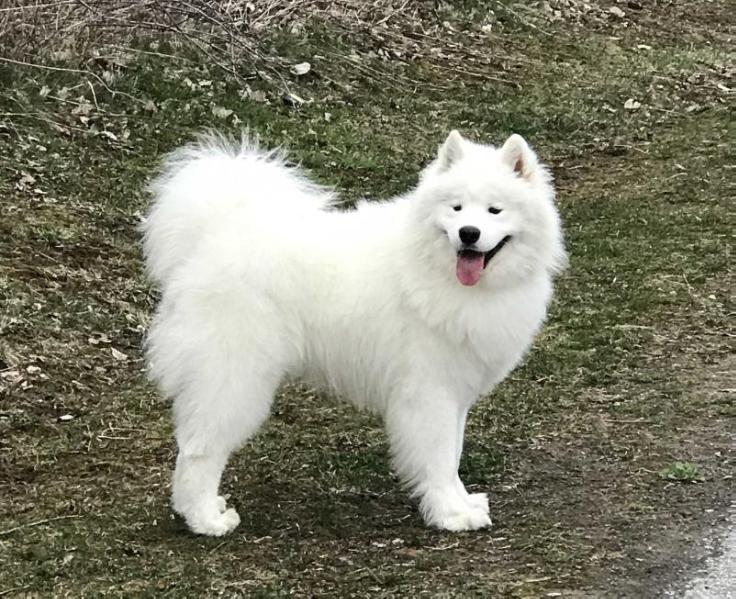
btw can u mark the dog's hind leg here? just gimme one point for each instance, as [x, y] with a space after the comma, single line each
[425, 430]
[214, 418]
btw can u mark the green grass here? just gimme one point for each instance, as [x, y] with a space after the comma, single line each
[629, 375]
[681, 471]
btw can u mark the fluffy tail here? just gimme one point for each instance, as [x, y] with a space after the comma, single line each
[212, 181]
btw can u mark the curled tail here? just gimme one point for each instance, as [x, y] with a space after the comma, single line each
[213, 181]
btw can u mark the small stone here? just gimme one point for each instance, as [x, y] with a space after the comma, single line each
[118, 355]
[617, 12]
[301, 69]
[292, 100]
[221, 112]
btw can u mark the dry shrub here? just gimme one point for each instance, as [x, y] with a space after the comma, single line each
[230, 32]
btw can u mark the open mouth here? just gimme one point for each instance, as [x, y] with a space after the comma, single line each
[471, 263]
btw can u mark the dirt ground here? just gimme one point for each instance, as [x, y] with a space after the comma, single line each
[608, 455]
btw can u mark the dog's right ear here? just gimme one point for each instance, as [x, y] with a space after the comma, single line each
[517, 154]
[451, 151]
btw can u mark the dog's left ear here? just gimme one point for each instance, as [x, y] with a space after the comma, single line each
[451, 151]
[519, 156]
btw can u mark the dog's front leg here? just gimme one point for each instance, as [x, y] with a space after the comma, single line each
[426, 433]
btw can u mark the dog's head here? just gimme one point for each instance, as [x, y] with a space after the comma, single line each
[491, 209]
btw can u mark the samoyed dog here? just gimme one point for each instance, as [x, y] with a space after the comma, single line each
[414, 307]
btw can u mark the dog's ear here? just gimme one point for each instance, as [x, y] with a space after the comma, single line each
[519, 156]
[451, 151]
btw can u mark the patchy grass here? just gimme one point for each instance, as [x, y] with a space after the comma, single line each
[629, 377]
[681, 471]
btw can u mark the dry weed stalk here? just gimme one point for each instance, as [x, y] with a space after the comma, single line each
[229, 33]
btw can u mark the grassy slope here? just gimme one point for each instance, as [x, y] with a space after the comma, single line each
[629, 376]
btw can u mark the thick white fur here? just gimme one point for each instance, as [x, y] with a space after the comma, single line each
[263, 279]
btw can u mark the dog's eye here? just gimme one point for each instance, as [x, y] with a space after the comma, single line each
[457, 208]
[493, 210]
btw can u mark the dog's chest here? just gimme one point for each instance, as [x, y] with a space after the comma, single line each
[499, 333]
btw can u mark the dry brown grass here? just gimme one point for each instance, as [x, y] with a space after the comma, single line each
[228, 32]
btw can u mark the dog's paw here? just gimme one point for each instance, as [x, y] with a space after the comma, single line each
[472, 519]
[211, 519]
[449, 510]
[215, 525]
[479, 501]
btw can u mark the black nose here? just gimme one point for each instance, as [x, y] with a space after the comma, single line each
[469, 234]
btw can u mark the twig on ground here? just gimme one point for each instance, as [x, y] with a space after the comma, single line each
[45, 67]
[37, 523]
[14, 590]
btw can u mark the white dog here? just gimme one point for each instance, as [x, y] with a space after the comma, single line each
[412, 307]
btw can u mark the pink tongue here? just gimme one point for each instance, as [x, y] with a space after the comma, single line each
[469, 268]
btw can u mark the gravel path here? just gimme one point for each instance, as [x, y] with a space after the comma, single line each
[716, 579]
